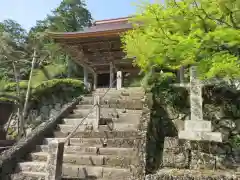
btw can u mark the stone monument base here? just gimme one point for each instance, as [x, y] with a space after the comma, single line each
[200, 136]
[199, 130]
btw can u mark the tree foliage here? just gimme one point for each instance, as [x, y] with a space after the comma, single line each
[205, 33]
[16, 44]
[30, 62]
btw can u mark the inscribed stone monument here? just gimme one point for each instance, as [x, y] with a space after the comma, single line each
[196, 128]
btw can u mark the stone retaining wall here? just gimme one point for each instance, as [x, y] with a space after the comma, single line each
[192, 160]
[199, 155]
[142, 142]
[177, 174]
[39, 111]
[10, 157]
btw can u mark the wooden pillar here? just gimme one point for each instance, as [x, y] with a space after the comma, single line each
[111, 74]
[85, 71]
[95, 81]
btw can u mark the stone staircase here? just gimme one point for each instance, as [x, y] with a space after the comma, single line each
[107, 153]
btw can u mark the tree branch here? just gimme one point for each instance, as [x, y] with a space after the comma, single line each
[232, 21]
[209, 17]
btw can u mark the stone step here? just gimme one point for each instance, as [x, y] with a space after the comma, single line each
[26, 175]
[41, 176]
[98, 142]
[73, 171]
[190, 174]
[138, 90]
[126, 119]
[76, 121]
[119, 95]
[124, 90]
[99, 134]
[92, 150]
[116, 126]
[84, 106]
[79, 171]
[110, 117]
[65, 128]
[69, 128]
[31, 166]
[91, 160]
[116, 103]
[106, 112]
[82, 113]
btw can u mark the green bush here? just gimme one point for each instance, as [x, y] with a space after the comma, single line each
[44, 88]
[12, 86]
[54, 85]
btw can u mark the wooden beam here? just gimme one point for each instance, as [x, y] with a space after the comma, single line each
[132, 70]
[104, 59]
[79, 58]
[116, 62]
[87, 41]
[101, 46]
[118, 53]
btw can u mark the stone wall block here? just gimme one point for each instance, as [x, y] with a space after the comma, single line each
[174, 142]
[200, 160]
[229, 161]
[211, 147]
[175, 158]
[175, 153]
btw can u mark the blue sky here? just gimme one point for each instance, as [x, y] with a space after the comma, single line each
[26, 12]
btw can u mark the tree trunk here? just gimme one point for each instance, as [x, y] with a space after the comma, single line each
[28, 89]
[69, 65]
[20, 120]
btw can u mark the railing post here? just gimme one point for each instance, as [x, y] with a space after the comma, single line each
[95, 81]
[97, 107]
[54, 160]
[119, 80]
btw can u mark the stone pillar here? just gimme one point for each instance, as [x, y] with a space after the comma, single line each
[119, 80]
[97, 108]
[111, 74]
[85, 71]
[195, 95]
[54, 160]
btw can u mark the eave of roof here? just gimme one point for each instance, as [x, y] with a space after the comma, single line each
[59, 35]
[104, 28]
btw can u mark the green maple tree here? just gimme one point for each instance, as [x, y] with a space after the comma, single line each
[205, 33]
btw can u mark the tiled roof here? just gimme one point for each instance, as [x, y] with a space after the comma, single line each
[108, 26]
[101, 26]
